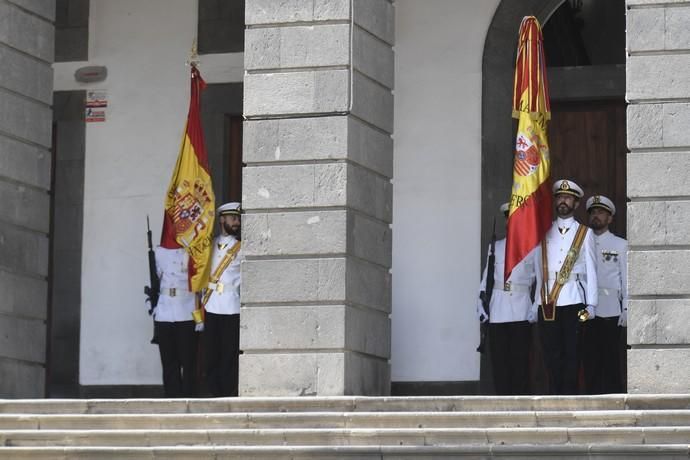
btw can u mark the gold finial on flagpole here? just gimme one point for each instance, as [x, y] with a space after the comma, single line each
[193, 55]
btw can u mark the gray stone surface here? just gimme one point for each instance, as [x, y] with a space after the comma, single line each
[21, 379]
[23, 251]
[307, 92]
[309, 374]
[369, 239]
[645, 125]
[373, 57]
[372, 102]
[16, 68]
[677, 33]
[25, 206]
[294, 280]
[294, 186]
[659, 222]
[319, 327]
[317, 190]
[370, 193]
[23, 295]
[25, 119]
[297, 46]
[663, 272]
[377, 17]
[658, 174]
[658, 77]
[320, 138]
[286, 11]
[24, 163]
[660, 321]
[44, 8]
[27, 32]
[13, 334]
[295, 233]
[662, 370]
[369, 285]
[659, 3]
[645, 29]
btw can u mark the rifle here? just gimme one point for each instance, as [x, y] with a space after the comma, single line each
[153, 291]
[485, 295]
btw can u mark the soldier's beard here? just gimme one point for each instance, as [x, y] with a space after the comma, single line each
[564, 210]
[597, 224]
[235, 231]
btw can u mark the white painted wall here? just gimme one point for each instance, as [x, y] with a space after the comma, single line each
[129, 161]
[437, 186]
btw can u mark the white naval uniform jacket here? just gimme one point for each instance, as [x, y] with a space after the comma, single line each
[227, 302]
[510, 301]
[175, 302]
[612, 272]
[581, 286]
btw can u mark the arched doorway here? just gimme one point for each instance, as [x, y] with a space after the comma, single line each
[585, 54]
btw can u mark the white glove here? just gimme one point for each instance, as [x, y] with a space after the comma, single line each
[623, 319]
[199, 327]
[532, 316]
[591, 311]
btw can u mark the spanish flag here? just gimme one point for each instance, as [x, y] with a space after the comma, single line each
[531, 210]
[189, 203]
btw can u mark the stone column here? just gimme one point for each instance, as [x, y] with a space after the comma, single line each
[316, 285]
[26, 93]
[658, 88]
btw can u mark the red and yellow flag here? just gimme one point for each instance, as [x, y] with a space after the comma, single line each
[531, 200]
[190, 203]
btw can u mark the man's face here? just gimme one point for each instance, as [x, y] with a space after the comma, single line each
[599, 218]
[566, 204]
[230, 224]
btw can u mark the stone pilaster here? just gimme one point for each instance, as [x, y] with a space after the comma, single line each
[26, 92]
[658, 89]
[317, 192]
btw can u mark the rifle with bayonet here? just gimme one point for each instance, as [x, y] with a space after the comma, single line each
[153, 290]
[485, 295]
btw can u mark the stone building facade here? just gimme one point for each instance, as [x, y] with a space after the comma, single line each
[317, 187]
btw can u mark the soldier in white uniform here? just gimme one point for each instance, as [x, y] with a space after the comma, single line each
[222, 305]
[576, 291]
[603, 334]
[509, 331]
[175, 331]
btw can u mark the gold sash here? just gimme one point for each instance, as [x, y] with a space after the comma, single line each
[549, 302]
[218, 272]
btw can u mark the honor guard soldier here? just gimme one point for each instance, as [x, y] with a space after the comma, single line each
[509, 331]
[174, 325]
[222, 305]
[566, 288]
[602, 335]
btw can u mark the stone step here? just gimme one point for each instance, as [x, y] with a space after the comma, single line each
[529, 452]
[343, 437]
[498, 419]
[347, 404]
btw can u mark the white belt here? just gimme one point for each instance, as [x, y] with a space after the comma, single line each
[217, 287]
[174, 292]
[512, 287]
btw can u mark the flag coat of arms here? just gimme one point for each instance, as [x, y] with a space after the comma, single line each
[531, 210]
[190, 203]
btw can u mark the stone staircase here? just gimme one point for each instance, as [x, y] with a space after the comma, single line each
[422, 428]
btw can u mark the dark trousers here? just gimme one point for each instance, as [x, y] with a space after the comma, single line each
[177, 344]
[601, 346]
[509, 347]
[221, 348]
[559, 343]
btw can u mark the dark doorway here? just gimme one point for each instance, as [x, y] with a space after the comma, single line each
[64, 277]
